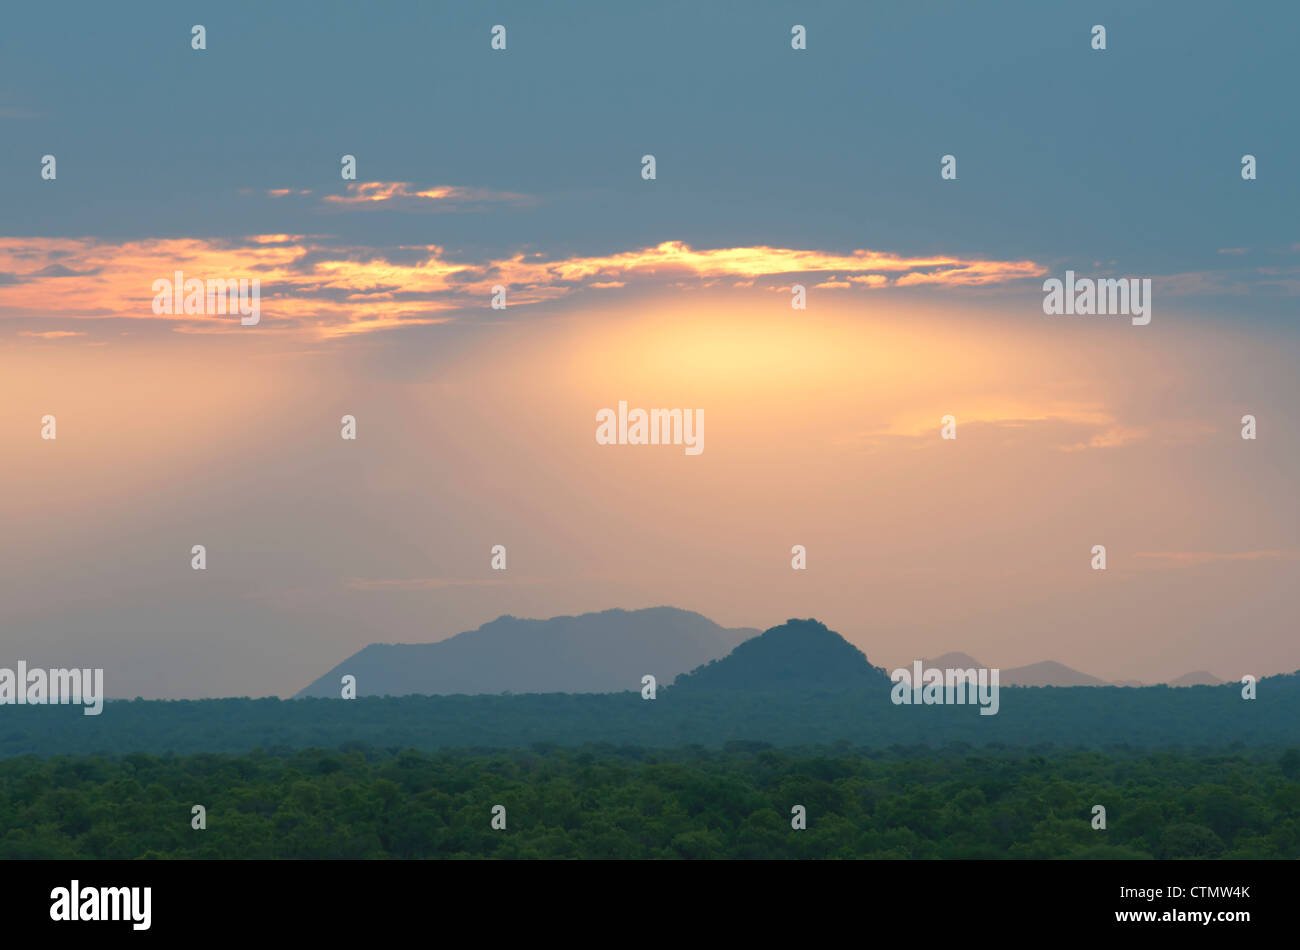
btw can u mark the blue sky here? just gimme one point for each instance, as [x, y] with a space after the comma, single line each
[1066, 155]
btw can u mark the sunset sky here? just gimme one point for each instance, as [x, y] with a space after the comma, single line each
[476, 426]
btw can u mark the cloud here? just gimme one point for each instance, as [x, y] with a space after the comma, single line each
[972, 273]
[403, 196]
[677, 258]
[1067, 427]
[274, 238]
[1243, 281]
[316, 285]
[1110, 437]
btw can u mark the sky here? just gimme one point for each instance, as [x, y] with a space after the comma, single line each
[522, 168]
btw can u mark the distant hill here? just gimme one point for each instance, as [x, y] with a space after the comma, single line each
[799, 654]
[1199, 678]
[1047, 673]
[1051, 673]
[592, 653]
[952, 661]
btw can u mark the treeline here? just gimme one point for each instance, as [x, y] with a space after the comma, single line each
[607, 802]
[1199, 716]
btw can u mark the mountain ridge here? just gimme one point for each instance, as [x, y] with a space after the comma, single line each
[797, 654]
[609, 651]
[1054, 673]
[605, 651]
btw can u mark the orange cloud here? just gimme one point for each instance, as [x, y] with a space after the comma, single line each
[403, 195]
[954, 272]
[1111, 437]
[1056, 423]
[311, 284]
[675, 258]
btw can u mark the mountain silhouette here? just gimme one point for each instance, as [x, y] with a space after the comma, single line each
[592, 653]
[1047, 673]
[1199, 678]
[952, 661]
[799, 654]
